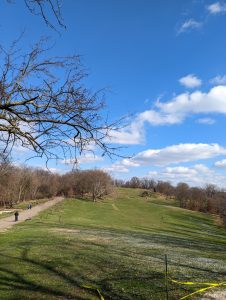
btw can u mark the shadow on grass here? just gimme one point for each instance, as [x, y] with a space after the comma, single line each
[121, 269]
[18, 280]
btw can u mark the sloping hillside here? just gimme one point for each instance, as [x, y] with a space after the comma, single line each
[117, 245]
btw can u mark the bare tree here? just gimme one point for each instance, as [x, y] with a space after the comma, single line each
[99, 183]
[45, 107]
[44, 8]
[94, 183]
[164, 187]
[147, 183]
[211, 190]
[182, 193]
[135, 182]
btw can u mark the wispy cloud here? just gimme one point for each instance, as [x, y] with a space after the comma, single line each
[218, 80]
[116, 168]
[217, 8]
[221, 163]
[208, 121]
[189, 25]
[85, 158]
[55, 170]
[190, 81]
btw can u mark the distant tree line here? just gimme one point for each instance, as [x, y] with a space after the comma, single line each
[18, 184]
[209, 199]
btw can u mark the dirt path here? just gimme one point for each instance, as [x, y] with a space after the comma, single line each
[24, 215]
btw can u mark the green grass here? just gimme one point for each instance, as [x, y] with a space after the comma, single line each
[116, 245]
[6, 214]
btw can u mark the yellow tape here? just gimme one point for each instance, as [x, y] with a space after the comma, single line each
[94, 289]
[195, 283]
[210, 285]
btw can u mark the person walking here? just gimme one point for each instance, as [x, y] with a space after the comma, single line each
[16, 216]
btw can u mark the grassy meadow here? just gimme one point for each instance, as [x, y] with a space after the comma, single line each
[116, 245]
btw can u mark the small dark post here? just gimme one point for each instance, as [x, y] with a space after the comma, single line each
[166, 277]
[16, 216]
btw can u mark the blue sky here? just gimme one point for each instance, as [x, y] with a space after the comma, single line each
[164, 65]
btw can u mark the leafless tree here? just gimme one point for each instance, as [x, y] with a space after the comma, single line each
[211, 190]
[45, 8]
[45, 107]
[94, 183]
[164, 187]
[99, 183]
[147, 183]
[135, 182]
[182, 193]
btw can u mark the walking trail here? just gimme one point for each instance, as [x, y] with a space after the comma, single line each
[24, 215]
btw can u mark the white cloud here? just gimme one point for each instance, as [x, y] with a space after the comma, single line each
[220, 163]
[18, 148]
[181, 171]
[175, 111]
[189, 25]
[116, 168]
[190, 81]
[134, 133]
[208, 121]
[129, 163]
[85, 158]
[218, 80]
[55, 170]
[217, 8]
[197, 175]
[179, 174]
[177, 153]
[158, 118]
[89, 158]
[196, 102]
[130, 135]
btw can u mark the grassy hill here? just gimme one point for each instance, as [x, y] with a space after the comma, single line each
[116, 246]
